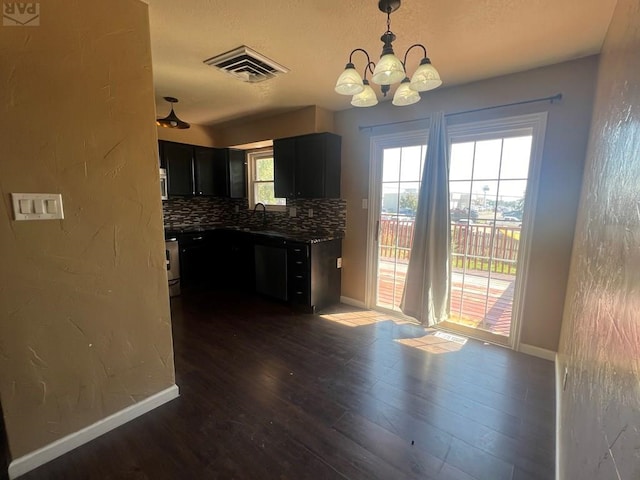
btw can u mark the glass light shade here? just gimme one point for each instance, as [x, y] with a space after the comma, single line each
[366, 98]
[405, 95]
[388, 71]
[426, 77]
[349, 82]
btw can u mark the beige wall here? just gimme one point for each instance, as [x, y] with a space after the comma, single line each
[85, 324]
[195, 135]
[298, 122]
[562, 164]
[245, 131]
[600, 343]
[324, 120]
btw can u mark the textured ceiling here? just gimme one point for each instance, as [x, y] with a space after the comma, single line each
[466, 40]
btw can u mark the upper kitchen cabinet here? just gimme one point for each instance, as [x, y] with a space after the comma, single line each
[178, 160]
[307, 166]
[229, 173]
[194, 170]
[204, 171]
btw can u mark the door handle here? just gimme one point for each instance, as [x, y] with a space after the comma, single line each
[377, 229]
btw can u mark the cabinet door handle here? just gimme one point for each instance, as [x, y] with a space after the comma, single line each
[297, 276]
[298, 263]
[297, 250]
[197, 238]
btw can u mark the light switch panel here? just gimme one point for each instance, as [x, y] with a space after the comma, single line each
[37, 206]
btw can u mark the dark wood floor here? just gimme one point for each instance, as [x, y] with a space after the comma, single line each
[266, 393]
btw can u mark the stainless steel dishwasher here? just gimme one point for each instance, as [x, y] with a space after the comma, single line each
[173, 265]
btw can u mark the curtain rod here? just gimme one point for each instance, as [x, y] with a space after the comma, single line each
[552, 99]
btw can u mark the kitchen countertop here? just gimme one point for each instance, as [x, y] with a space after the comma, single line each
[173, 230]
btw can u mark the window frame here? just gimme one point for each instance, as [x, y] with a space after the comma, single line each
[252, 156]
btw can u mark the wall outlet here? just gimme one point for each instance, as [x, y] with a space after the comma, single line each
[311, 213]
[339, 262]
[293, 211]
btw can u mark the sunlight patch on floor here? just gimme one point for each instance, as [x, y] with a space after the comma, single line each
[435, 342]
[361, 318]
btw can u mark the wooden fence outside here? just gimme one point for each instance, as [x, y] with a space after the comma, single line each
[471, 244]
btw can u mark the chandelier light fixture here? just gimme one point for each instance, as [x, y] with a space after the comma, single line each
[389, 70]
[172, 120]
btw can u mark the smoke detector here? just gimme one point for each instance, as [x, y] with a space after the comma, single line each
[247, 65]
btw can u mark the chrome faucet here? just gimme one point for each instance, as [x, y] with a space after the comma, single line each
[264, 213]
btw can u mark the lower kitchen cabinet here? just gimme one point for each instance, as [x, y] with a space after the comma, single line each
[271, 270]
[306, 275]
[313, 274]
[195, 259]
[233, 264]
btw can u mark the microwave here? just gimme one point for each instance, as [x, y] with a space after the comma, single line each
[164, 185]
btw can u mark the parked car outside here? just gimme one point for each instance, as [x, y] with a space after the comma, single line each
[463, 215]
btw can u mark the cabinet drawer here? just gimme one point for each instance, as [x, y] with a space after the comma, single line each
[298, 276]
[298, 265]
[299, 296]
[299, 252]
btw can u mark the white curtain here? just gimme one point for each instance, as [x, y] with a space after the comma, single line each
[428, 284]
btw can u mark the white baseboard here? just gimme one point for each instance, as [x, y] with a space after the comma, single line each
[353, 302]
[537, 352]
[39, 457]
[559, 382]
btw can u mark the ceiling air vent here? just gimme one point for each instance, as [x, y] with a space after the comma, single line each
[247, 65]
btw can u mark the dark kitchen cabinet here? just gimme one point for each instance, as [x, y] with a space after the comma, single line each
[229, 173]
[284, 164]
[314, 274]
[178, 159]
[204, 171]
[271, 270]
[307, 166]
[195, 260]
[232, 260]
[195, 170]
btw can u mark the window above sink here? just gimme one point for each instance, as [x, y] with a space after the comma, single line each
[261, 180]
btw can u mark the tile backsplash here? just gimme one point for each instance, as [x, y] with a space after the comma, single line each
[329, 214]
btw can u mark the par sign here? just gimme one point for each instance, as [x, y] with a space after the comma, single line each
[20, 14]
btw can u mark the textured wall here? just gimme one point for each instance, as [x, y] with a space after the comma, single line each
[85, 325]
[196, 135]
[287, 124]
[600, 343]
[562, 164]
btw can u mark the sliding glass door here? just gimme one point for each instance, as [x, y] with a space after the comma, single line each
[493, 174]
[399, 161]
[490, 191]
